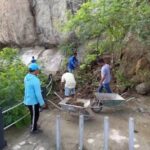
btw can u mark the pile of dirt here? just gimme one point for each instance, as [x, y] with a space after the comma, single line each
[73, 101]
[86, 92]
[87, 81]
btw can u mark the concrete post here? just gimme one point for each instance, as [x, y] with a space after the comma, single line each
[106, 133]
[131, 134]
[81, 131]
[58, 134]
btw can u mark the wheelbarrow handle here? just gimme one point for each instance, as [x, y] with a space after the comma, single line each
[129, 99]
[123, 93]
[58, 96]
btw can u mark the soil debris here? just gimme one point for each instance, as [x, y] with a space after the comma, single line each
[75, 102]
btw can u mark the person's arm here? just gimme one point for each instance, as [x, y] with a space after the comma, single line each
[37, 89]
[102, 79]
[103, 76]
[77, 62]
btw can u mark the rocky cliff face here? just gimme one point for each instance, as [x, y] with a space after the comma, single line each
[135, 60]
[31, 22]
[16, 23]
[50, 60]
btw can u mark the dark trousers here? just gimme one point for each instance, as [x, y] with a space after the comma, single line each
[34, 112]
[106, 87]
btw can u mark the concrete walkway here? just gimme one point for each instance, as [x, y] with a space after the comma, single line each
[93, 133]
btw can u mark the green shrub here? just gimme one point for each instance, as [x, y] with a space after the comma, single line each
[83, 66]
[11, 77]
[110, 21]
[122, 81]
[67, 48]
[90, 58]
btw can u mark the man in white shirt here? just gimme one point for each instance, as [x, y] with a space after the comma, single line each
[105, 77]
[70, 83]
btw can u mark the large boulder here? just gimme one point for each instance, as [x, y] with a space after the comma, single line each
[16, 23]
[143, 88]
[135, 61]
[50, 60]
[49, 16]
[142, 63]
[32, 22]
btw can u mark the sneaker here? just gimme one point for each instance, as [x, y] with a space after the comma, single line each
[36, 131]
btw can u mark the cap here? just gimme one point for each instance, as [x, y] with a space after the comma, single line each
[34, 66]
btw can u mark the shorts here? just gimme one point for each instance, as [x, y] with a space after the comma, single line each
[69, 91]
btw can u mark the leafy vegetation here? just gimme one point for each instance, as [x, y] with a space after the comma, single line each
[67, 48]
[110, 22]
[122, 81]
[11, 77]
[111, 19]
[88, 60]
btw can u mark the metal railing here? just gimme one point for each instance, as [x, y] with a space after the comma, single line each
[106, 129]
[2, 128]
[18, 120]
[5, 111]
[15, 122]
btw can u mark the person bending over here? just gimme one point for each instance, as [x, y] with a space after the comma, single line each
[68, 80]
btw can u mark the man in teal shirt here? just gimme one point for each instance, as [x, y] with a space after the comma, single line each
[33, 98]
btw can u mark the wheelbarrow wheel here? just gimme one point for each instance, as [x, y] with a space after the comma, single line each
[96, 107]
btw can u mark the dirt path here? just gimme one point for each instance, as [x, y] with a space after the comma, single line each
[93, 134]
